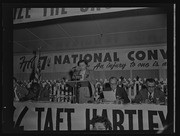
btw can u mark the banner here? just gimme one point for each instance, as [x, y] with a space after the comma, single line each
[24, 15]
[43, 116]
[98, 60]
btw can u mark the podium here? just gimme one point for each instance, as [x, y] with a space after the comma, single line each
[76, 85]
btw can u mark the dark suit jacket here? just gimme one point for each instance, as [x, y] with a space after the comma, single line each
[44, 94]
[143, 95]
[122, 94]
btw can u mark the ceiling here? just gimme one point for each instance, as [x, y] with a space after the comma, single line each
[91, 32]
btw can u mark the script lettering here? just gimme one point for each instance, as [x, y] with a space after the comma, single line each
[25, 63]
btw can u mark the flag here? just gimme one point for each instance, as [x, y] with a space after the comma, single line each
[32, 76]
[38, 71]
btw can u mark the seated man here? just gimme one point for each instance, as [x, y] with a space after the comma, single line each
[150, 94]
[33, 92]
[101, 123]
[117, 93]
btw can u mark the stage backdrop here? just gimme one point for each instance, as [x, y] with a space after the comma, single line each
[104, 62]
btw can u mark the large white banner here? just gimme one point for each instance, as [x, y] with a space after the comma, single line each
[99, 60]
[40, 116]
[24, 15]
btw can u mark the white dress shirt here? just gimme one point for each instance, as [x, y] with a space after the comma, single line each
[82, 73]
[152, 94]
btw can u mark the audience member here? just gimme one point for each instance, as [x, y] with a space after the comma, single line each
[150, 94]
[19, 91]
[33, 92]
[119, 93]
[101, 123]
[45, 93]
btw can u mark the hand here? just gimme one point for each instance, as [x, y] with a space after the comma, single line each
[116, 102]
[96, 102]
[78, 76]
[157, 101]
[147, 101]
[121, 101]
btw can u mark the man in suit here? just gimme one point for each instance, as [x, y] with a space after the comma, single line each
[82, 73]
[119, 92]
[85, 92]
[150, 94]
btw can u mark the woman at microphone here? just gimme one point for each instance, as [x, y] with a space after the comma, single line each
[83, 74]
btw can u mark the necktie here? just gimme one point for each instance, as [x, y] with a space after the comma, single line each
[150, 97]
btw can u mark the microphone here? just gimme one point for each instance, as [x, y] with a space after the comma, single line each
[76, 72]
